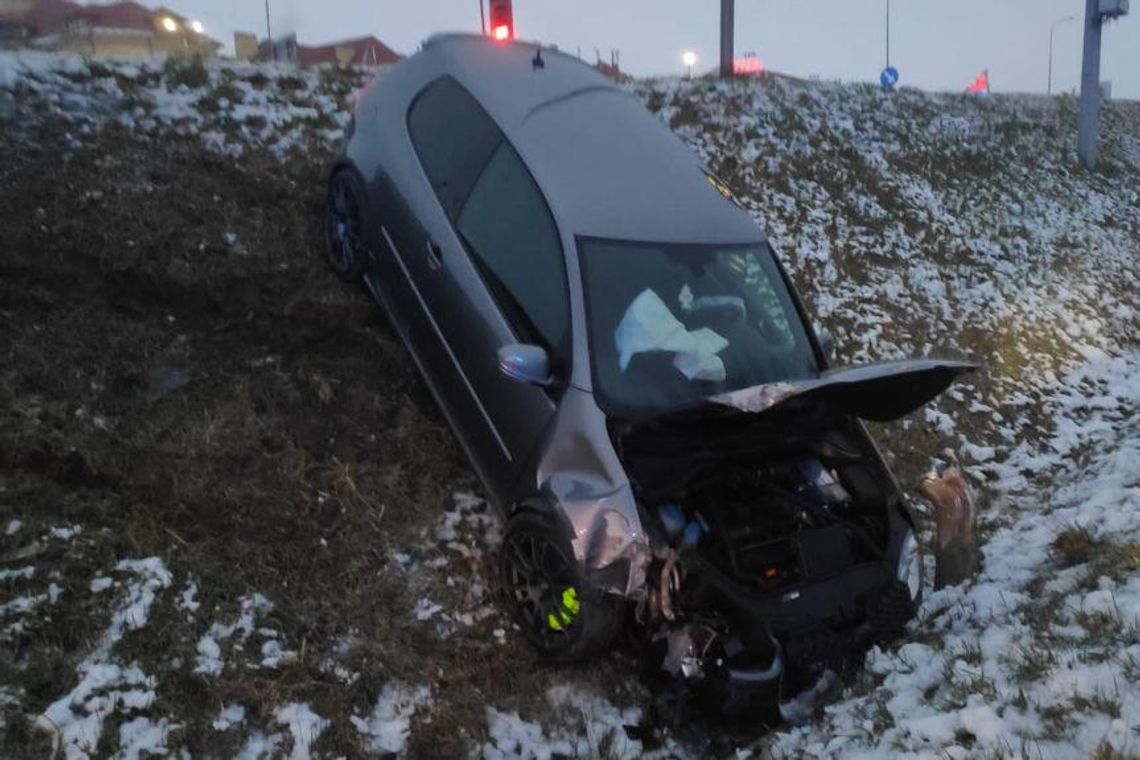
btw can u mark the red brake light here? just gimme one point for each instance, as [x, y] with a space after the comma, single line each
[501, 32]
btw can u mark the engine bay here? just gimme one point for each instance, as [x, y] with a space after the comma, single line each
[770, 561]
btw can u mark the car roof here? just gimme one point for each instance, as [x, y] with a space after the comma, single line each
[608, 167]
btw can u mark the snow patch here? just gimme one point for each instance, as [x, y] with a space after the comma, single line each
[386, 729]
[304, 725]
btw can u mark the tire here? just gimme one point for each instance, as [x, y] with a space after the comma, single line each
[345, 225]
[562, 617]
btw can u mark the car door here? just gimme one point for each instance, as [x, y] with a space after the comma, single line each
[489, 266]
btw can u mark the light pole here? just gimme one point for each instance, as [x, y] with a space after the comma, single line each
[482, 19]
[689, 58]
[888, 34]
[1052, 29]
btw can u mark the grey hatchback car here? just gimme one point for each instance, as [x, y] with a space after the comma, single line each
[630, 371]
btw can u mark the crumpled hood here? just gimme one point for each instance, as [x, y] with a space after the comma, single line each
[877, 392]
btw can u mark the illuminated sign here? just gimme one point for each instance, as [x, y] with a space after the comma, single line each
[748, 66]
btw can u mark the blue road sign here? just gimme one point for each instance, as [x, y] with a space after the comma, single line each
[889, 78]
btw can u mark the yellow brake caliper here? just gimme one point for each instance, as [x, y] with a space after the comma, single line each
[567, 610]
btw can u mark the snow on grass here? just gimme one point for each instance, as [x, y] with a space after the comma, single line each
[66, 532]
[253, 608]
[229, 106]
[260, 746]
[106, 686]
[23, 573]
[1040, 653]
[469, 514]
[304, 725]
[595, 728]
[426, 609]
[386, 729]
[188, 599]
[231, 715]
[142, 738]
[454, 551]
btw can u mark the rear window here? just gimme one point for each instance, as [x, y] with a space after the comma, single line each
[454, 139]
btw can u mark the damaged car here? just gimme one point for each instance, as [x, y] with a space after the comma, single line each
[629, 369]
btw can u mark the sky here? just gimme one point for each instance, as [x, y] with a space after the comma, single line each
[936, 44]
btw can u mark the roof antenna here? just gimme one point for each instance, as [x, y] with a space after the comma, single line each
[537, 61]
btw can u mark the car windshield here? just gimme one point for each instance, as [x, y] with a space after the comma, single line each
[671, 325]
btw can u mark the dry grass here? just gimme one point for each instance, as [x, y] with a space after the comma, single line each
[245, 417]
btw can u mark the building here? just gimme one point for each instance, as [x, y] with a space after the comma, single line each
[120, 30]
[361, 51]
[14, 30]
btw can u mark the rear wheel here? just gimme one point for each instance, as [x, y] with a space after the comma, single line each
[560, 616]
[344, 226]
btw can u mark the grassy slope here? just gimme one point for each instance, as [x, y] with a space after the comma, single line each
[303, 452]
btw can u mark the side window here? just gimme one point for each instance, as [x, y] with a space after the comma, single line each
[454, 139]
[511, 233]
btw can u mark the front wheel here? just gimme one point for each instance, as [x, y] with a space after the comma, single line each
[344, 226]
[562, 617]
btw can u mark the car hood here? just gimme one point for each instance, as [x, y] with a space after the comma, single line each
[877, 392]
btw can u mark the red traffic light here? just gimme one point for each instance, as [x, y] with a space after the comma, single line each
[502, 20]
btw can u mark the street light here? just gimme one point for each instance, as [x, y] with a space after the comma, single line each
[689, 58]
[197, 27]
[1052, 29]
[169, 24]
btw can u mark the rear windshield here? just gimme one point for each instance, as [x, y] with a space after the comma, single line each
[671, 325]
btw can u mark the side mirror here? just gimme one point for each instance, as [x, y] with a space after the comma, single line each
[527, 364]
[826, 343]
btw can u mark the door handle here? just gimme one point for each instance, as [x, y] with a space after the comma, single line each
[434, 255]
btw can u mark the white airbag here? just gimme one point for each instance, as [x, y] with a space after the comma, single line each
[649, 326]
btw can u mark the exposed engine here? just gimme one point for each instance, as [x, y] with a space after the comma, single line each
[735, 544]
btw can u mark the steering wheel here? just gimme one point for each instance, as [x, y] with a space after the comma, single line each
[711, 311]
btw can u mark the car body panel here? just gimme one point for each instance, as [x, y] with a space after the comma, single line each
[441, 304]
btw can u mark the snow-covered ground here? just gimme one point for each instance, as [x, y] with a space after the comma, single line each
[936, 222]
[913, 224]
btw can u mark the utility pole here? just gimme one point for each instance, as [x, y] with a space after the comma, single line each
[482, 19]
[1052, 29]
[888, 34]
[727, 29]
[269, 32]
[1088, 121]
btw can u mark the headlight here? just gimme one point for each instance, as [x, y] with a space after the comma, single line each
[910, 564]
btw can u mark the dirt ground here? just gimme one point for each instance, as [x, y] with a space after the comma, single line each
[182, 376]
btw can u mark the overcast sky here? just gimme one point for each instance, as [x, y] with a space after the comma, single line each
[936, 44]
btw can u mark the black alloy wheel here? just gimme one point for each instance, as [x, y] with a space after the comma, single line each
[344, 226]
[560, 616]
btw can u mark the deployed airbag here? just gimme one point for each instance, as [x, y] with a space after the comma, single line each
[649, 325]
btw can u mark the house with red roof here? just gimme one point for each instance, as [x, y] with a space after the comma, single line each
[119, 30]
[360, 51]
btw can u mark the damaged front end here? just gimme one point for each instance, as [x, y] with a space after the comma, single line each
[781, 543]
